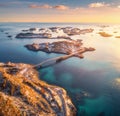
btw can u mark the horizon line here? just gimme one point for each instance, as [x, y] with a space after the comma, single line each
[61, 22]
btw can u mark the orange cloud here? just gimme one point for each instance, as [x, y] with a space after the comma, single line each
[46, 6]
[98, 5]
[118, 6]
[61, 7]
[95, 12]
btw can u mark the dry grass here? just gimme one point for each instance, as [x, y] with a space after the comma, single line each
[27, 95]
[7, 108]
[23, 96]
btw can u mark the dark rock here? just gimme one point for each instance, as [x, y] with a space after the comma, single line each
[33, 35]
[9, 36]
[32, 29]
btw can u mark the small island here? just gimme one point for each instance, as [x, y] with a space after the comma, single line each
[69, 48]
[34, 35]
[22, 93]
[117, 36]
[104, 34]
[52, 32]
[76, 31]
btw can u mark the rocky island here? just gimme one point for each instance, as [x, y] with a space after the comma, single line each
[70, 48]
[52, 32]
[23, 94]
[117, 36]
[34, 35]
[104, 34]
[76, 31]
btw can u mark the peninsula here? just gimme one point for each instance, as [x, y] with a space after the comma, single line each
[22, 93]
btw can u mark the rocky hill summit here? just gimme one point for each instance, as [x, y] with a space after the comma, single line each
[22, 93]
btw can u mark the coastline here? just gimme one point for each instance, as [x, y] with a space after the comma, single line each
[74, 75]
[20, 84]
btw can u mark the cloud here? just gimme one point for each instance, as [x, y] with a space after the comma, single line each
[2, 5]
[118, 6]
[98, 5]
[46, 6]
[61, 7]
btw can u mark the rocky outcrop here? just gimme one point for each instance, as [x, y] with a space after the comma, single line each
[117, 36]
[53, 32]
[76, 31]
[104, 34]
[33, 35]
[54, 29]
[23, 94]
[64, 37]
[32, 29]
[63, 47]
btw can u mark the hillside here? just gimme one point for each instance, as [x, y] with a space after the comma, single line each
[23, 94]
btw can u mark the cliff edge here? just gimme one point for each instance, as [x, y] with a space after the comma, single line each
[23, 94]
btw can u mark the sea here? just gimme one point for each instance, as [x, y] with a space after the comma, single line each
[93, 83]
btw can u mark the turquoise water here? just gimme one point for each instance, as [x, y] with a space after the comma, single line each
[93, 83]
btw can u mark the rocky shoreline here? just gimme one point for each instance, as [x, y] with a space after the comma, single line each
[23, 94]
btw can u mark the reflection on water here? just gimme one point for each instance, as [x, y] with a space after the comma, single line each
[92, 82]
[116, 83]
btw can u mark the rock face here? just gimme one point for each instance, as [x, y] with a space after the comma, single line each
[23, 94]
[63, 47]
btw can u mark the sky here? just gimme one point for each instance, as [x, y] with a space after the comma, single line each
[82, 11]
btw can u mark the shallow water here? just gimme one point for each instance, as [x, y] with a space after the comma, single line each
[93, 83]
